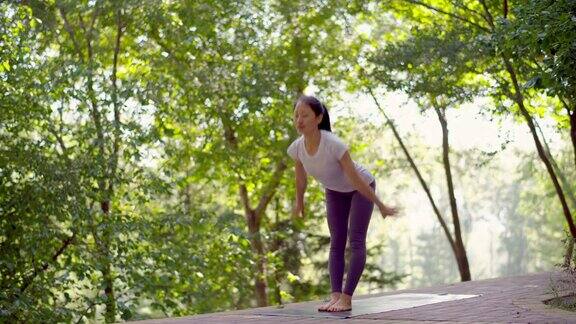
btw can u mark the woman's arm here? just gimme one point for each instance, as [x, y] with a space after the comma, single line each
[301, 182]
[360, 185]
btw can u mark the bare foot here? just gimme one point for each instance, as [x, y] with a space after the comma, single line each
[343, 304]
[334, 297]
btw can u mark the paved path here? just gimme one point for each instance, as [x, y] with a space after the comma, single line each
[503, 300]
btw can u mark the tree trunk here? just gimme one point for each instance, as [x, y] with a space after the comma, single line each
[414, 167]
[570, 247]
[519, 99]
[572, 114]
[568, 189]
[276, 246]
[110, 315]
[253, 222]
[461, 258]
[255, 215]
[561, 176]
[258, 248]
[569, 252]
[453, 246]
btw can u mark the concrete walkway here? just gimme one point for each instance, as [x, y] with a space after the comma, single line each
[503, 300]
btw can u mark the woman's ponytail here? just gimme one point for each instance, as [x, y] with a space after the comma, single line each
[325, 123]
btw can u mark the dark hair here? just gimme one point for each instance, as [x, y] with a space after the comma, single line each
[318, 108]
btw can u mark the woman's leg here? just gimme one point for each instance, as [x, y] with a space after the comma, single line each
[338, 208]
[360, 214]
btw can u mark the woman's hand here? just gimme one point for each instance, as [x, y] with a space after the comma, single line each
[387, 211]
[298, 210]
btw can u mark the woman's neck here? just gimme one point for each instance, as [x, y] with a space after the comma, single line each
[313, 138]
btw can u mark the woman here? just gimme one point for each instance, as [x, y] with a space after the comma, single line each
[350, 195]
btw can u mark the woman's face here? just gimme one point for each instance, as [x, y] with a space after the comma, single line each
[305, 120]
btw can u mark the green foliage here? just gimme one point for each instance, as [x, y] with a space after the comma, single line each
[542, 34]
[429, 64]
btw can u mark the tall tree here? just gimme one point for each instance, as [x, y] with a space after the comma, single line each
[84, 94]
[482, 19]
[432, 69]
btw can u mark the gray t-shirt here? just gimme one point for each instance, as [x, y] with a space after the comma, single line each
[324, 165]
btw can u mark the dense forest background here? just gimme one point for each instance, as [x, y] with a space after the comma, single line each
[143, 165]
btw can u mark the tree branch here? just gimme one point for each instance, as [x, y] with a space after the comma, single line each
[489, 17]
[423, 4]
[270, 188]
[462, 6]
[27, 281]
[70, 31]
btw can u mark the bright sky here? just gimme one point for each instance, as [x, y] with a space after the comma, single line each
[467, 127]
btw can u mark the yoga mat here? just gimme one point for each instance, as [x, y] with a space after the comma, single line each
[364, 306]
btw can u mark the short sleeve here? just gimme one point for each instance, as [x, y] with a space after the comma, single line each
[293, 150]
[337, 147]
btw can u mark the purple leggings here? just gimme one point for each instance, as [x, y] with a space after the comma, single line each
[339, 206]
